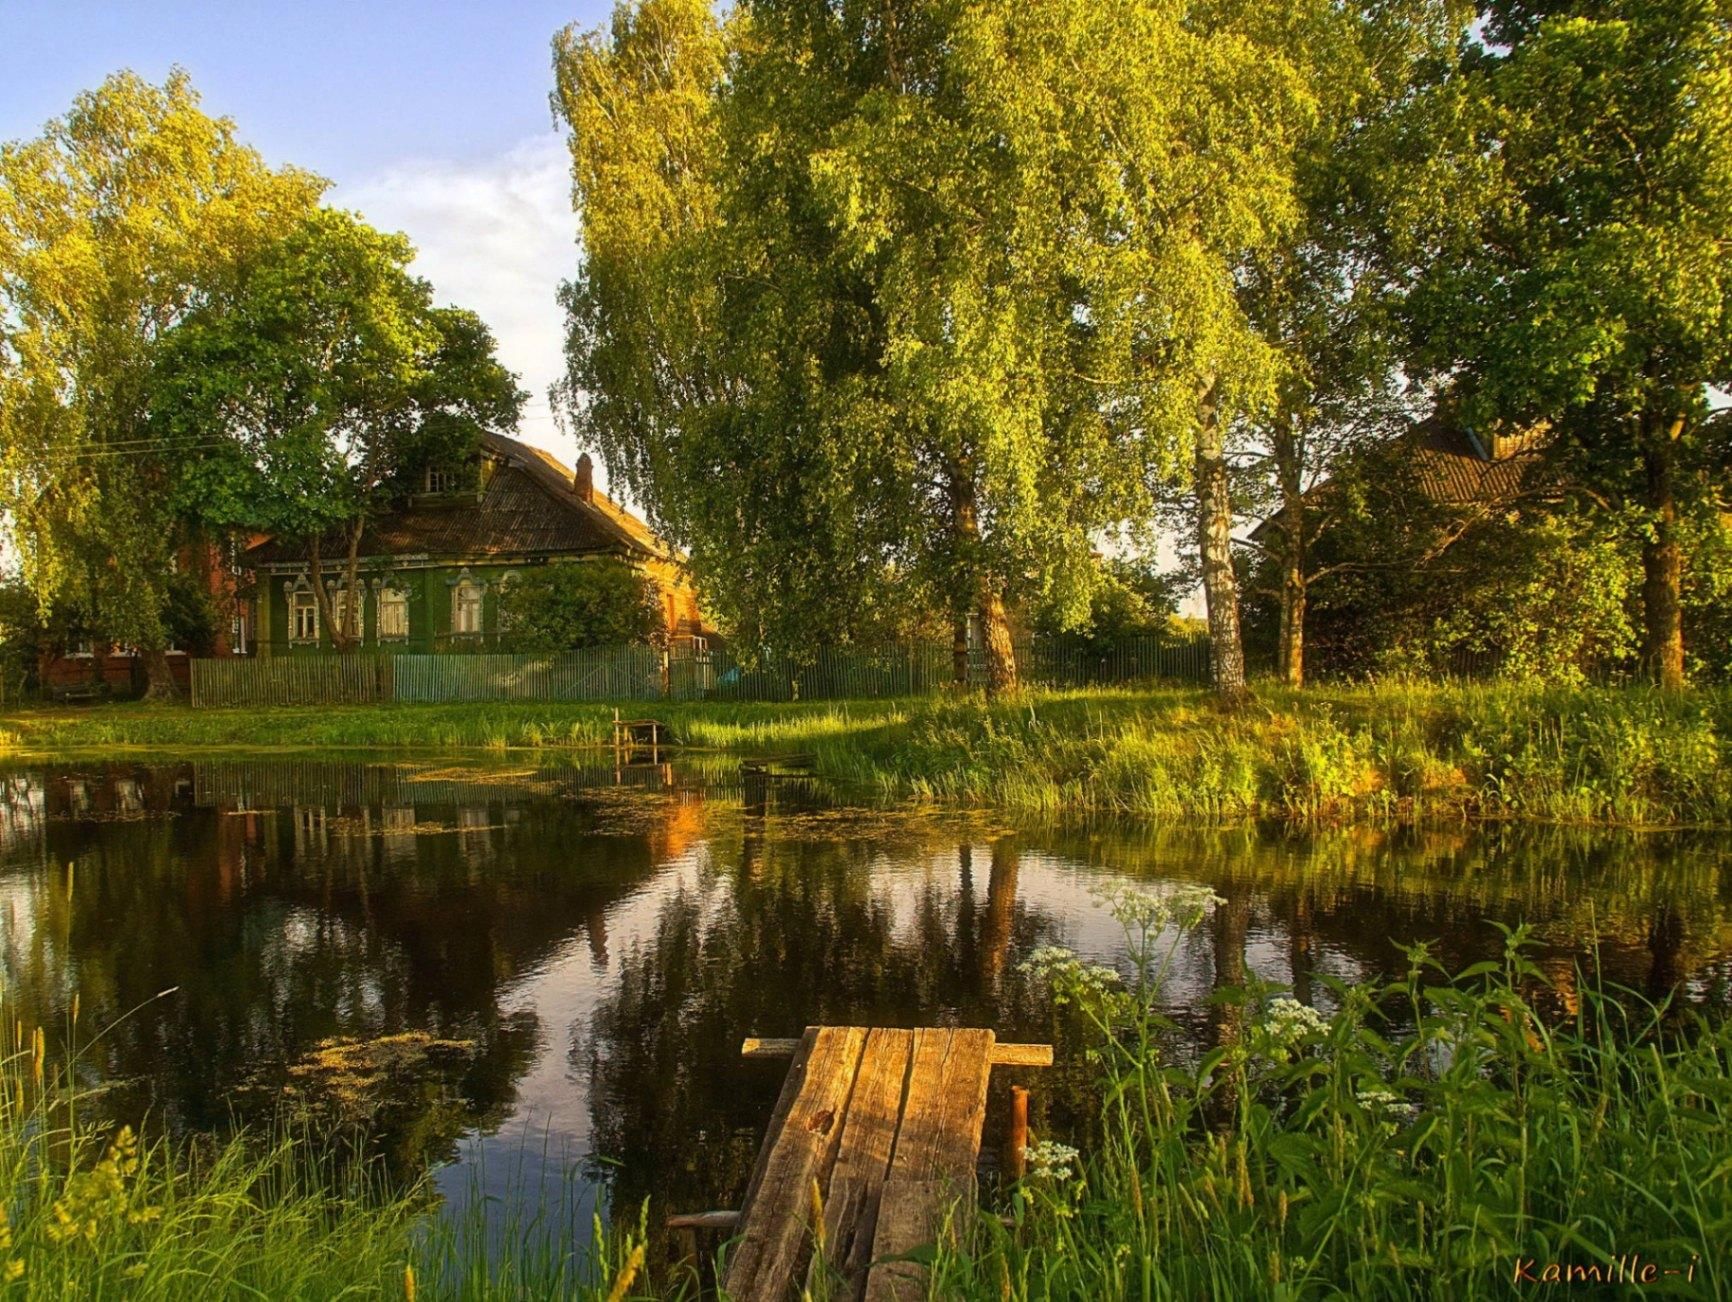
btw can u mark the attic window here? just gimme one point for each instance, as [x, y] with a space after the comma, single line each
[443, 481]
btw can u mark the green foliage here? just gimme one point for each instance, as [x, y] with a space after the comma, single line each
[571, 607]
[90, 1211]
[1418, 1140]
[873, 306]
[1574, 251]
[189, 615]
[126, 214]
[21, 639]
[1128, 600]
[1557, 603]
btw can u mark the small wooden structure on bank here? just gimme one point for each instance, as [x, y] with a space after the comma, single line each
[629, 734]
[878, 1132]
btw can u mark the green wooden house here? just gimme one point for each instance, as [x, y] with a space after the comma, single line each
[431, 571]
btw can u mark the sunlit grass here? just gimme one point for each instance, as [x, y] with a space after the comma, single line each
[1622, 755]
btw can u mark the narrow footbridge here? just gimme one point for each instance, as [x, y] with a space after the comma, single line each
[871, 1150]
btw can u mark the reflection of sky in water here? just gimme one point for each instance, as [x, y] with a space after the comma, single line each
[606, 951]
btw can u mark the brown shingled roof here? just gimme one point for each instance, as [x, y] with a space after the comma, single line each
[1453, 467]
[528, 506]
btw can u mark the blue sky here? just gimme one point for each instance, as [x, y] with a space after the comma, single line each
[430, 118]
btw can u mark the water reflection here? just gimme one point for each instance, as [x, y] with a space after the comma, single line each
[516, 972]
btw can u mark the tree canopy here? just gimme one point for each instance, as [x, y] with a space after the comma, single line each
[1576, 267]
[570, 607]
[935, 294]
[127, 214]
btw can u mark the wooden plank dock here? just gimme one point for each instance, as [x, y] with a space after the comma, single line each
[877, 1132]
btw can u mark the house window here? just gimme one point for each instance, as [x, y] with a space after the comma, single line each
[466, 607]
[81, 648]
[393, 614]
[443, 481]
[303, 616]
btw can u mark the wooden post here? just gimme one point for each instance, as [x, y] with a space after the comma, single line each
[1016, 1162]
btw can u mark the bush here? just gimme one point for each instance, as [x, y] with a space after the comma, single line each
[587, 604]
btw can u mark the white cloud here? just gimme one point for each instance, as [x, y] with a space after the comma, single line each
[495, 235]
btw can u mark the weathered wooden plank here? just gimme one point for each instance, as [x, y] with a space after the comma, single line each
[777, 1219]
[911, 1215]
[863, 1163]
[1004, 1054]
[1021, 1055]
[946, 1107]
[932, 1167]
[791, 1084]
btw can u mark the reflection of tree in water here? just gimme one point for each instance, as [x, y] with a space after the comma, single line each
[1659, 906]
[776, 936]
[286, 929]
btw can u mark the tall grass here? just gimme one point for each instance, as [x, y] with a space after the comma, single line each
[1439, 1137]
[492, 726]
[90, 1210]
[1627, 755]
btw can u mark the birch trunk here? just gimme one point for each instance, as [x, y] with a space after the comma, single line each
[1215, 545]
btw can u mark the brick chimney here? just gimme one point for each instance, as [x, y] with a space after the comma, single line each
[583, 481]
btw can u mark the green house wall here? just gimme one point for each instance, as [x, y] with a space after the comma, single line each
[430, 609]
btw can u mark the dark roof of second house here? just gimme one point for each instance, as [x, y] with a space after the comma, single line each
[527, 506]
[1457, 468]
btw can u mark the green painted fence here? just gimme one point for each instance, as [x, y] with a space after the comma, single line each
[632, 673]
[294, 680]
[645, 674]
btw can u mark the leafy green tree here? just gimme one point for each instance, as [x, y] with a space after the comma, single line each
[1321, 296]
[1576, 267]
[915, 310]
[127, 214]
[1130, 600]
[570, 607]
[320, 388]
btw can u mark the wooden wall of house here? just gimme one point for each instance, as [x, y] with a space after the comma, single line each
[431, 608]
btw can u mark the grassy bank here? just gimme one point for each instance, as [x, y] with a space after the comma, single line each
[1439, 1138]
[492, 726]
[1627, 755]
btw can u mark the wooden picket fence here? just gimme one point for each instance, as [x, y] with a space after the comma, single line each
[295, 680]
[629, 673]
[637, 673]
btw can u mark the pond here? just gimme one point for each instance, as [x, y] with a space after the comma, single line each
[533, 980]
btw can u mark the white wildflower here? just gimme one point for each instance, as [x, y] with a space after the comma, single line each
[1386, 1105]
[1286, 1025]
[1142, 909]
[1290, 1021]
[1051, 1161]
[1069, 978]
